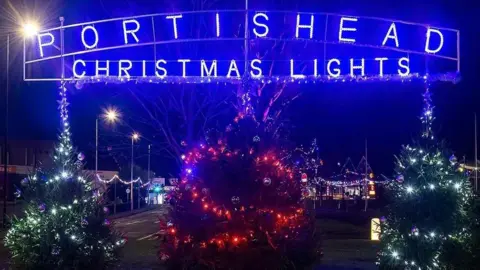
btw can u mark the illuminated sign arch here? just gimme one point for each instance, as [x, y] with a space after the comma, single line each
[325, 47]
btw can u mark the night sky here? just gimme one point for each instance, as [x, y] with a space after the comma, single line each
[341, 117]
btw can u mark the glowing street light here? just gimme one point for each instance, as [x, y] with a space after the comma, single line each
[30, 29]
[111, 115]
[135, 136]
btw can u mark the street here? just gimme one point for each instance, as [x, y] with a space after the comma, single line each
[141, 230]
[141, 226]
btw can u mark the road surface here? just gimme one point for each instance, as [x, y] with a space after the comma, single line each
[141, 226]
[142, 231]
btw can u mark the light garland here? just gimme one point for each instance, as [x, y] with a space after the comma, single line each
[116, 177]
[447, 77]
[427, 116]
[350, 183]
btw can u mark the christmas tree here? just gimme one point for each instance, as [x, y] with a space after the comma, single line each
[427, 225]
[65, 224]
[239, 205]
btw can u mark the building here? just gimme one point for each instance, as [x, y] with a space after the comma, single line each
[28, 152]
[23, 156]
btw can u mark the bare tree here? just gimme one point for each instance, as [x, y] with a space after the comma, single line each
[181, 115]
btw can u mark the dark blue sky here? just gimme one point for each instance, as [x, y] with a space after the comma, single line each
[340, 116]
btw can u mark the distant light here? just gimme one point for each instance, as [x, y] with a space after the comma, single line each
[432, 186]
[111, 115]
[409, 189]
[456, 186]
[157, 189]
[135, 136]
[375, 229]
[30, 29]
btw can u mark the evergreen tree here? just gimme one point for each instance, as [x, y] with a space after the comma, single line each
[239, 205]
[65, 224]
[427, 225]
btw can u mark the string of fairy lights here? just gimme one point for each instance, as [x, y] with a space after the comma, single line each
[117, 178]
[300, 79]
[286, 221]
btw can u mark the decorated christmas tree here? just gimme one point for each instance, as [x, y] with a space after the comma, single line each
[239, 205]
[65, 224]
[427, 225]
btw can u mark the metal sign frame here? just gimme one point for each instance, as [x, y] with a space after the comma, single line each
[451, 76]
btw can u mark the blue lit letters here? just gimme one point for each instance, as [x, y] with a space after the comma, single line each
[320, 46]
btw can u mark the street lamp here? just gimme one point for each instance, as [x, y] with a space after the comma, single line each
[110, 115]
[135, 137]
[28, 30]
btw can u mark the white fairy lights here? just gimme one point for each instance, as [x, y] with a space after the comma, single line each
[346, 29]
[95, 33]
[257, 78]
[116, 177]
[348, 69]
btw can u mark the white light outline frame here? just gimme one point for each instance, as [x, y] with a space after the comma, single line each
[248, 12]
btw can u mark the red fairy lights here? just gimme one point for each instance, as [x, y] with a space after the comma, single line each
[240, 221]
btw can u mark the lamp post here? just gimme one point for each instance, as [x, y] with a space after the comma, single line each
[111, 116]
[148, 174]
[28, 30]
[135, 137]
